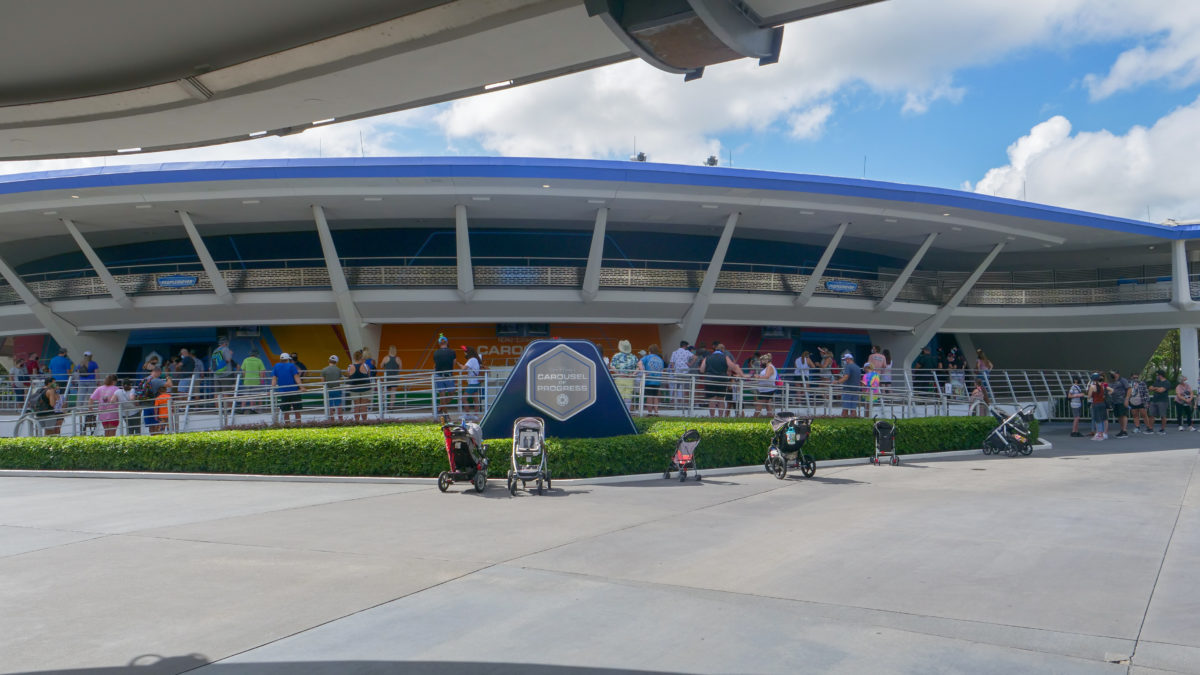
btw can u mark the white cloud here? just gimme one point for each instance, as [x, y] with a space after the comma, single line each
[1099, 171]
[1172, 54]
[810, 124]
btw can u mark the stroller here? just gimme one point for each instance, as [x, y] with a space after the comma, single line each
[467, 455]
[528, 454]
[790, 433]
[685, 456]
[1011, 435]
[885, 441]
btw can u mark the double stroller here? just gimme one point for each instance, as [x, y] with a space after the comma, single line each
[467, 455]
[529, 454]
[1011, 435]
[685, 456]
[789, 434]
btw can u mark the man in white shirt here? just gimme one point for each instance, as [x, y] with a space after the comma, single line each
[681, 360]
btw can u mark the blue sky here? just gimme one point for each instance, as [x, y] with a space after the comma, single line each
[1090, 104]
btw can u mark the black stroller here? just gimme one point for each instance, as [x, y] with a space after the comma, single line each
[790, 433]
[466, 453]
[1011, 435]
[885, 442]
[685, 456]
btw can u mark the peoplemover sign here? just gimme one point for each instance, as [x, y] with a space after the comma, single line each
[561, 383]
[841, 286]
[178, 281]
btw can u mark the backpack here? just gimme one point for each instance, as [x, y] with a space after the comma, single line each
[142, 391]
[41, 402]
[218, 360]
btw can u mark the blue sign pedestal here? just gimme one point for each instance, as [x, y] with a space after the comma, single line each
[572, 374]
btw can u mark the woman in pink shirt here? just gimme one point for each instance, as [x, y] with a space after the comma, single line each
[105, 398]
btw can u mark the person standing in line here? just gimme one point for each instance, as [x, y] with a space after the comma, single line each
[925, 367]
[391, 365]
[1139, 398]
[1159, 395]
[803, 377]
[443, 376]
[61, 366]
[765, 380]
[653, 365]
[331, 379]
[221, 365]
[162, 410]
[625, 366]
[86, 371]
[252, 381]
[885, 378]
[358, 387]
[979, 402]
[47, 404]
[877, 360]
[20, 379]
[107, 405]
[719, 370]
[851, 381]
[185, 372]
[680, 360]
[285, 381]
[472, 395]
[1075, 398]
[128, 409]
[1120, 394]
[1185, 401]
[368, 360]
[984, 365]
[870, 383]
[1097, 394]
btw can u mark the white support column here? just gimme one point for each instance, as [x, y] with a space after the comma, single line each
[210, 267]
[466, 273]
[1181, 288]
[901, 280]
[815, 279]
[358, 333]
[591, 278]
[689, 326]
[106, 347]
[1189, 354]
[110, 282]
[906, 346]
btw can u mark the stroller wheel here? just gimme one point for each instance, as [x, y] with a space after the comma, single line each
[480, 481]
[547, 479]
[779, 467]
[697, 478]
[443, 481]
[682, 476]
[666, 475]
[539, 486]
[1027, 448]
[808, 467]
[767, 466]
[895, 460]
[512, 486]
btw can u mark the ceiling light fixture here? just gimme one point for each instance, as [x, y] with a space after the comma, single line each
[143, 206]
[250, 201]
[708, 206]
[256, 134]
[74, 196]
[956, 228]
[327, 120]
[372, 199]
[945, 214]
[890, 220]
[481, 199]
[49, 213]
[497, 85]
[595, 201]
[545, 186]
[807, 213]
[129, 150]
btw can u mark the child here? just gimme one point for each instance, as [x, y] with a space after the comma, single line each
[162, 409]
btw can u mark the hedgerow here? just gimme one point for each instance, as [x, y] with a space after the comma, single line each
[418, 449]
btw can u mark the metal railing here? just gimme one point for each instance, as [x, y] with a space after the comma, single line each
[208, 402]
[1038, 287]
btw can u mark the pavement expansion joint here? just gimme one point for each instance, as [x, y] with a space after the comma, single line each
[1166, 549]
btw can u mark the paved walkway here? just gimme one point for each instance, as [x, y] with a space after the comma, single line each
[1071, 561]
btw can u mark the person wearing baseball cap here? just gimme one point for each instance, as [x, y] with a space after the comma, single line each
[331, 377]
[285, 380]
[851, 381]
[444, 363]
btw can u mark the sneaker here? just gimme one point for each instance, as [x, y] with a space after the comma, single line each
[1162, 432]
[1122, 434]
[1137, 430]
[1181, 427]
[1191, 428]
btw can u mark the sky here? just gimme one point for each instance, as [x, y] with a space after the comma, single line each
[1086, 104]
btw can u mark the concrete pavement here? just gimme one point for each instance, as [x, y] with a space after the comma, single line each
[1081, 559]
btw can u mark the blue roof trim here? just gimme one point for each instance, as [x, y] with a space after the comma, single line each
[569, 169]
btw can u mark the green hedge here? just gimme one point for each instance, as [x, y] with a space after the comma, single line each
[418, 450]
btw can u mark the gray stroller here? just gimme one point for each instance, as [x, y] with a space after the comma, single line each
[529, 454]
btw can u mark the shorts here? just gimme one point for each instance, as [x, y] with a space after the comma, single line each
[360, 396]
[625, 386]
[46, 420]
[764, 395]
[1120, 410]
[443, 382]
[109, 424]
[654, 390]
[335, 398]
[850, 401]
[472, 391]
[716, 390]
[1077, 411]
[1141, 406]
[289, 402]
[1157, 409]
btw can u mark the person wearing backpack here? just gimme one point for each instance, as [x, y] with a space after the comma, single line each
[222, 366]
[46, 404]
[1075, 398]
[1119, 403]
[1097, 393]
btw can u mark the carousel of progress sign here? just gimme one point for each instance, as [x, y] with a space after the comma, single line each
[561, 383]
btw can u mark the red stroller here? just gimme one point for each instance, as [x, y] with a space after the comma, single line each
[467, 455]
[685, 456]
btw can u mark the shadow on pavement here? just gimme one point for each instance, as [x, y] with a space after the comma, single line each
[152, 664]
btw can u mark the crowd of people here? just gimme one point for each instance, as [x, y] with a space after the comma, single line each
[1118, 400]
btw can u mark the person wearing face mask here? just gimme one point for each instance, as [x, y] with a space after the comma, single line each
[1185, 402]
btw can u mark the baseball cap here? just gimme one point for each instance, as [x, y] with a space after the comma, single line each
[285, 356]
[333, 359]
[87, 353]
[847, 356]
